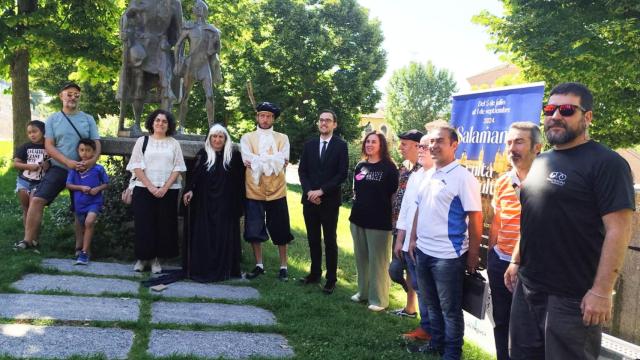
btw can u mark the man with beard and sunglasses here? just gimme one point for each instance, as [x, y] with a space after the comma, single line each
[577, 203]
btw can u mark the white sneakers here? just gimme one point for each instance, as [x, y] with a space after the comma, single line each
[357, 298]
[155, 266]
[140, 265]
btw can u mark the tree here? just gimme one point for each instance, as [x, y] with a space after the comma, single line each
[593, 42]
[418, 93]
[305, 56]
[302, 54]
[35, 33]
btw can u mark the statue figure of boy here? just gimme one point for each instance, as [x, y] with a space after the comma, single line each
[201, 63]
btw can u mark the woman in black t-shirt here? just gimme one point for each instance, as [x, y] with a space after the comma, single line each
[375, 181]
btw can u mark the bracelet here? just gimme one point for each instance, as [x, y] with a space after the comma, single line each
[598, 295]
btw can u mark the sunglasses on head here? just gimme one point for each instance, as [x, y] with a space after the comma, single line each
[564, 109]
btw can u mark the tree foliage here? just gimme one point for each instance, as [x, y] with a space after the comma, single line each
[46, 32]
[418, 93]
[303, 55]
[593, 42]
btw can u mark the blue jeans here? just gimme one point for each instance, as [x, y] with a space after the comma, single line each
[500, 302]
[422, 301]
[441, 281]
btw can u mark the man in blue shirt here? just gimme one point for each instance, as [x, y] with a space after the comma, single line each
[63, 130]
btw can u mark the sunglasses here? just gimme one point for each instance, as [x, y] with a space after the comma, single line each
[564, 109]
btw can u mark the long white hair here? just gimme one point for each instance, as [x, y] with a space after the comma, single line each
[226, 152]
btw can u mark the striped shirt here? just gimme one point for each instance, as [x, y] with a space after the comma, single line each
[506, 202]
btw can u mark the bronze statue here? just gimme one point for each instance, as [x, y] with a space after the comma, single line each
[148, 29]
[201, 63]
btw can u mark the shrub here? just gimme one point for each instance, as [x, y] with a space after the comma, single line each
[114, 229]
[354, 157]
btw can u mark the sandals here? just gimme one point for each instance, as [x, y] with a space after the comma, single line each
[24, 245]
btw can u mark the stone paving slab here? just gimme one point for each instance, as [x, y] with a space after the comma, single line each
[214, 344]
[29, 306]
[209, 314]
[209, 291]
[94, 267]
[59, 342]
[76, 284]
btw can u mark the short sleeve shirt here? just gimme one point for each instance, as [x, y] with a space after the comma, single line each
[373, 187]
[403, 180]
[444, 199]
[409, 206]
[564, 197]
[506, 204]
[65, 137]
[160, 159]
[31, 153]
[93, 177]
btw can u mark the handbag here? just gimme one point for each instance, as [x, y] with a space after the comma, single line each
[127, 193]
[475, 294]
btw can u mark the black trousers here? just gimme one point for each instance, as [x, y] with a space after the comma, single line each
[500, 302]
[156, 224]
[325, 217]
[549, 327]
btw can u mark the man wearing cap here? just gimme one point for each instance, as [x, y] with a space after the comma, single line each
[409, 150]
[323, 168]
[63, 130]
[266, 154]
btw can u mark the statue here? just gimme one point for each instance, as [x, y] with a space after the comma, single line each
[148, 29]
[201, 63]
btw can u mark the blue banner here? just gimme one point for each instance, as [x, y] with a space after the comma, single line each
[483, 118]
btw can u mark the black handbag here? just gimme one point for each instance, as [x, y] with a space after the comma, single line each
[475, 295]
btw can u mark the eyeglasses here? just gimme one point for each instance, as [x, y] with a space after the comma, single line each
[423, 146]
[565, 109]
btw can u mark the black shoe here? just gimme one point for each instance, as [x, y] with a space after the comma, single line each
[328, 288]
[310, 279]
[257, 271]
[283, 275]
[424, 349]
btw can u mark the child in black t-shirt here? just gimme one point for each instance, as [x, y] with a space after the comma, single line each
[30, 160]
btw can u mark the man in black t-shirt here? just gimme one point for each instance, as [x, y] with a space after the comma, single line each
[577, 204]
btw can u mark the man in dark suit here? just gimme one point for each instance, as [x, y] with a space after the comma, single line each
[322, 170]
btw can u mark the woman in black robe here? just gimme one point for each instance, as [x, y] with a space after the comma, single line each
[215, 195]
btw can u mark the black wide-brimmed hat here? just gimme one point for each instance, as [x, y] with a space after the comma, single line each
[270, 107]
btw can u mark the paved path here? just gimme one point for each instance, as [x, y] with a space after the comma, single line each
[28, 341]
[97, 296]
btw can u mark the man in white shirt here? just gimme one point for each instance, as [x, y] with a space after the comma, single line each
[440, 243]
[404, 225]
[266, 154]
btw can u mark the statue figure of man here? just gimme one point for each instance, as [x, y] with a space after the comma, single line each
[149, 29]
[201, 63]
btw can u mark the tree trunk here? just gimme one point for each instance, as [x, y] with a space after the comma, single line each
[20, 95]
[19, 68]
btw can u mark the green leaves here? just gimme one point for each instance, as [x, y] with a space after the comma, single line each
[417, 94]
[593, 42]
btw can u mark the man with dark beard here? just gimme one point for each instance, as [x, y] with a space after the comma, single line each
[577, 202]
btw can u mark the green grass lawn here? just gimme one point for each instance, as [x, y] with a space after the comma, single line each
[317, 326]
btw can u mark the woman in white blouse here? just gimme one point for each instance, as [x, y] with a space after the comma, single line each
[155, 196]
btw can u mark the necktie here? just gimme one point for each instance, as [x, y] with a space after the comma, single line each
[324, 149]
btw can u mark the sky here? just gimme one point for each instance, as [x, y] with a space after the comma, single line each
[436, 30]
